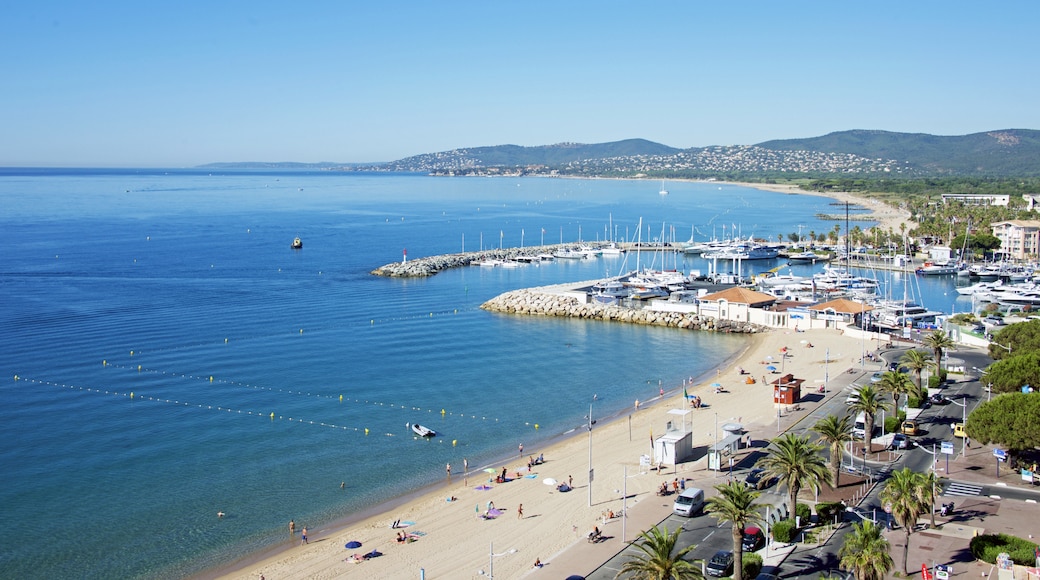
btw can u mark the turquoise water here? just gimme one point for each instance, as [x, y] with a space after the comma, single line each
[180, 288]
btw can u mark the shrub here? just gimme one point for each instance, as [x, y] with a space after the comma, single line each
[804, 513]
[987, 546]
[827, 510]
[752, 565]
[934, 382]
[784, 531]
[892, 424]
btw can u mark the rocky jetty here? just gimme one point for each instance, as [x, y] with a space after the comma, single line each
[545, 303]
[430, 265]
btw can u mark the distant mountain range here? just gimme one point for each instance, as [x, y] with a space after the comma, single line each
[1004, 153]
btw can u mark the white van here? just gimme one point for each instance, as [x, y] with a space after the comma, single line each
[859, 428]
[689, 502]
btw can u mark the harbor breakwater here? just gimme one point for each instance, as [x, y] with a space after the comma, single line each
[543, 302]
[430, 265]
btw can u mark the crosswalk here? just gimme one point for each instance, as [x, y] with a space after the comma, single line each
[963, 489]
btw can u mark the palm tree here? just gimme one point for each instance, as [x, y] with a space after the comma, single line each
[796, 462]
[916, 361]
[835, 432]
[735, 504]
[897, 384]
[928, 494]
[657, 561]
[938, 341]
[868, 402]
[865, 552]
[903, 493]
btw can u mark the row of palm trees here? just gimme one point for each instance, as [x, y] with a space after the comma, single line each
[797, 462]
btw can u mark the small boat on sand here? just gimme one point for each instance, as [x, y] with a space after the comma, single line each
[423, 431]
[297, 243]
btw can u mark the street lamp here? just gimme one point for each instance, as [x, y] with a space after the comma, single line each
[989, 387]
[935, 460]
[1007, 348]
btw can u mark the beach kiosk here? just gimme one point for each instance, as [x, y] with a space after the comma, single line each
[676, 445]
[787, 390]
[727, 446]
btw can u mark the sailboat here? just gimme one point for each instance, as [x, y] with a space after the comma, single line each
[663, 190]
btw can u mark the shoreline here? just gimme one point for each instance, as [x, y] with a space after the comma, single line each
[286, 559]
[382, 510]
[454, 542]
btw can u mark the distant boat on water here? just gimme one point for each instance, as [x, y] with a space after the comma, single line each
[663, 190]
[297, 243]
[423, 431]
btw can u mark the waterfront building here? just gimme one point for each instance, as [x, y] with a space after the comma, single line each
[1019, 239]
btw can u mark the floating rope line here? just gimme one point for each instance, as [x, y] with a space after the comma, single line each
[271, 416]
[340, 398]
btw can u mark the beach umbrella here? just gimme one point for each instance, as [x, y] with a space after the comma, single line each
[494, 512]
[771, 368]
[716, 384]
[491, 470]
[549, 481]
[352, 545]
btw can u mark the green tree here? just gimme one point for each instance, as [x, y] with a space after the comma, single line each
[835, 432]
[1021, 338]
[1010, 374]
[897, 384]
[1008, 420]
[735, 504]
[927, 492]
[866, 552]
[868, 402]
[795, 462]
[904, 494]
[917, 361]
[657, 562]
[939, 342]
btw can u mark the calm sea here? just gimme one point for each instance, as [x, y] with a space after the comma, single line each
[156, 319]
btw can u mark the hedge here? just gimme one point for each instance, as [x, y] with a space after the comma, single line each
[987, 546]
[784, 531]
[752, 565]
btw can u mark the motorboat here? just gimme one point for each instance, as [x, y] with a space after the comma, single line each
[807, 257]
[610, 292]
[297, 243]
[937, 269]
[422, 431]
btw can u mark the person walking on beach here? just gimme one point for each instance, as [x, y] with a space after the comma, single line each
[303, 536]
[520, 512]
[292, 527]
[448, 469]
[521, 450]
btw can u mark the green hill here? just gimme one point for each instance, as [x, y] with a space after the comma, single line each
[1005, 152]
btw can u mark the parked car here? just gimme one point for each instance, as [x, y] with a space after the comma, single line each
[756, 480]
[753, 539]
[898, 441]
[721, 564]
[876, 377]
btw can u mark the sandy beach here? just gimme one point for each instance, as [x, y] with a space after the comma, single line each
[888, 217]
[449, 539]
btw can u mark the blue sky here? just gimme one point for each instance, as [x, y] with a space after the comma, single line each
[114, 83]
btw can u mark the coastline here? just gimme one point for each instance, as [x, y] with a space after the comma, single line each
[888, 217]
[427, 504]
[453, 542]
